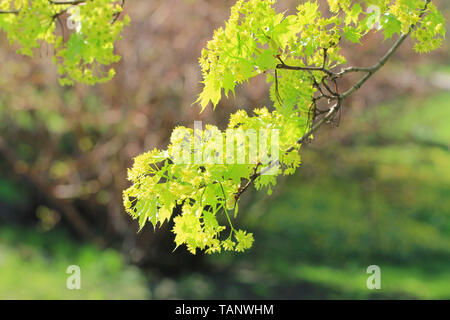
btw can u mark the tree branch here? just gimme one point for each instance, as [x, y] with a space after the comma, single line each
[62, 3]
[287, 67]
[283, 65]
[9, 11]
[382, 61]
[376, 67]
[340, 97]
[74, 2]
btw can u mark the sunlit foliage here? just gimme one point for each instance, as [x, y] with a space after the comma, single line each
[93, 25]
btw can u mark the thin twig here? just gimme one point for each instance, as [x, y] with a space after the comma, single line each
[9, 11]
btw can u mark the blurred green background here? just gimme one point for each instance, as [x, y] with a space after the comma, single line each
[373, 189]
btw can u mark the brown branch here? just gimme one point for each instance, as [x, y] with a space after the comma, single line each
[249, 182]
[73, 2]
[9, 11]
[287, 67]
[351, 69]
[283, 65]
[376, 67]
[116, 15]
